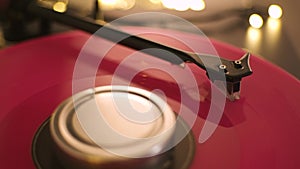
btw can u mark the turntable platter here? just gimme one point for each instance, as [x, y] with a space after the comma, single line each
[261, 130]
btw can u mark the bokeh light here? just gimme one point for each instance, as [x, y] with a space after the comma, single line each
[60, 7]
[117, 4]
[183, 5]
[155, 1]
[197, 5]
[275, 11]
[256, 21]
[168, 3]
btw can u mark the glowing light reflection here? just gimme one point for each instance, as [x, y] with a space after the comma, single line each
[256, 21]
[197, 5]
[60, 7]
[109, 2]
[275, 11]
[274, 24]
[253, 39]
[183, 5]
[117, 4]
[155, 1]
[180, 5]
[168, 3]
[273, 32]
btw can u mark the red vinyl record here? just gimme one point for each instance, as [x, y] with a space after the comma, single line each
[260, 130]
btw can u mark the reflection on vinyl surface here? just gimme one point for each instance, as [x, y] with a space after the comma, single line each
[260, 128]
[177, 158]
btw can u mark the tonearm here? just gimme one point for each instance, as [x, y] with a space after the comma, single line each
[216, 68]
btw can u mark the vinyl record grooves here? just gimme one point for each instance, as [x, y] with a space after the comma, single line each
[261, 130]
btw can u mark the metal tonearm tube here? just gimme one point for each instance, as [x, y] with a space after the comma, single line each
[234, 70]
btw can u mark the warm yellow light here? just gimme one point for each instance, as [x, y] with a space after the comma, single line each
[274, 24]
[256, 21]
[168, 3]
[60, 7]
[181, 5]
[125, 4]
[275, 11]
[155, 1]
[197, 5]
[108, 2]
[117, 4]
[273, 32]
[253, 39]
[254, 34]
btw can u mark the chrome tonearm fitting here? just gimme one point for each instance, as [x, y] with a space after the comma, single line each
[215, 67]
